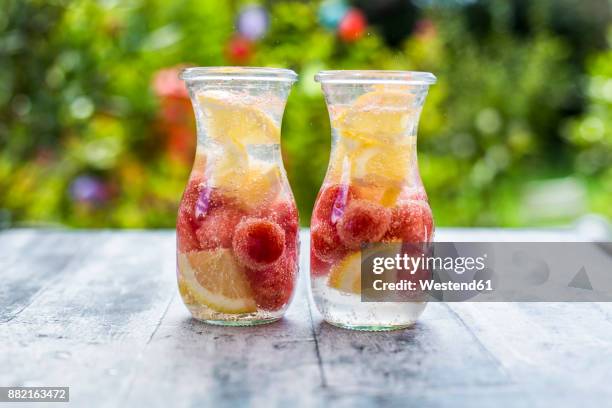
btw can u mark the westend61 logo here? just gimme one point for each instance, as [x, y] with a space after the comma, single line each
[487, 272]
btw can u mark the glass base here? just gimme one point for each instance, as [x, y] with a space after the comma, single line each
[347, 311]
[206, 315]
[239, 323]
[374, 328]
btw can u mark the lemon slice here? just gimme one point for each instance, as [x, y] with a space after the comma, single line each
[381, 168]
[229, 166]
[377, 117]
[252, 182]
[227, 118]
[389, 163]
[262, 184]
[385, 195]
[350, 164]
[346, 274]
[214, 278]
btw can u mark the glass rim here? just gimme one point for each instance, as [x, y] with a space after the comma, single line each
[375, 77]
[233, 73]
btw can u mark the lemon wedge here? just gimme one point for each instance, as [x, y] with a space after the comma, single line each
[385, 195]
[346, 274]
[229, 119]
[380, 169]
[386, 163]
[377, 117]
[229, 166]
[214, 278]
[262, 184]
[252, 182]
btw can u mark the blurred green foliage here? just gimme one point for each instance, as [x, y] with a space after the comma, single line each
[524, 93]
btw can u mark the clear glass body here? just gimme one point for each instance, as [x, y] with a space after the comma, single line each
[372, 191]
[237, 226]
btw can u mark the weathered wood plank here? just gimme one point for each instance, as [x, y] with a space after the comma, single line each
[567, 345]
[108, 290]
[30, 263]
[562, 347]
[433, 353]
[28, 276]
[14, 240]
[91, 323]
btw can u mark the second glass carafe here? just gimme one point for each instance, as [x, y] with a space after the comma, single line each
[372, 191]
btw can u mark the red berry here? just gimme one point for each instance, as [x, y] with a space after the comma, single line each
[331, 203]
[190, 198]
[285, 214]
[199, 198]
[326, 243]
[411, 222]
[206, 218]
[273, 286]
[258, 243]
[212, 198]
[186, 239]
[186, 221]
[216, 229]
[318, 267]
[363, 222]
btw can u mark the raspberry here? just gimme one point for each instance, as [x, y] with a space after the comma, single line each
[206, 219]
[190, 198]
[185, 236]
[363, 222]
[199, 198]
[326, 243]
[318, 267]
[212, 198]
[216, 229]
[273, 286]
[411, 222]
[330, 206]
[285, 214]
[258, 243]
[186, 221]
[332, 202]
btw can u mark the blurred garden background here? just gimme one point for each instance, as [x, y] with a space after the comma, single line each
[96, 129]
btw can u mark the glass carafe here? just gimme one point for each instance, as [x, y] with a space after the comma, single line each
[237, 226]
[372, 191]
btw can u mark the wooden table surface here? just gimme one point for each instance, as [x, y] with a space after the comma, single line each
[99, 311]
